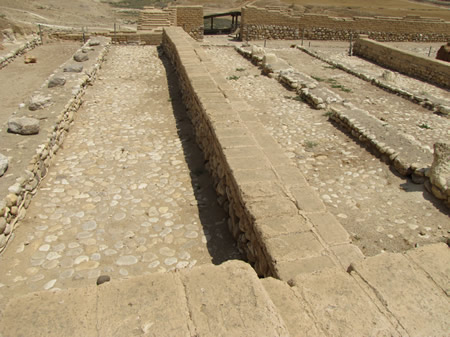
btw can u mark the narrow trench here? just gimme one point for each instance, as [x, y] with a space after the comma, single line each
[220, 243]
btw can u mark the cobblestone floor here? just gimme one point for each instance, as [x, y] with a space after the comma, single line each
[127, 195]
[382, 211]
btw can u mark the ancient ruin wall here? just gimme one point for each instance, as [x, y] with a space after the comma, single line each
[279, 222]
[266, 23]
[426, 69]
[190, 18]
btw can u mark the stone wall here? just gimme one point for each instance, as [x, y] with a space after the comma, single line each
[277, 219]
[278, 23]
[15, 201]
[190, 18]
[426, 69]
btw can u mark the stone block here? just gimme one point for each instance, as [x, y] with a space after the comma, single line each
[56, 81]
[81, 57]
[293, 247]
[291, 176]
[50, 314]
[276, 158]
[435, 260]
[267, 228]
[417, 303]
[257, 191]
[38, 102]
[155, 303]
[292, 308]
[288, 270]
[347, 254]
[237, 141]
[243, 152]
[73, 68]
[4, 162]
[23, 125]
[307, 199]
[248, 163]
[270, 207]
[340, 306]
[329, 228]
[230, 300]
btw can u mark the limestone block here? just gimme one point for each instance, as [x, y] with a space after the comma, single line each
[38, 102]
[81, 57]
[52, 314]
[23, 125]
[155, 303]
[73, 68]
[4, 162]
[437, 268]
[340, 306]
[230, 300]
[93, 42]
[419, 305]
[329, 228]
[56, 81]
[440, 168]
[292, 308]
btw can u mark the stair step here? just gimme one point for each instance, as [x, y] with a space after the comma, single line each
[419, 304]
[225, 300]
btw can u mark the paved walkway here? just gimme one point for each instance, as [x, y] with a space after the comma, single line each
[128, 194]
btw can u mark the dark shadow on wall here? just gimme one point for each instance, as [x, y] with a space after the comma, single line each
[213, 218]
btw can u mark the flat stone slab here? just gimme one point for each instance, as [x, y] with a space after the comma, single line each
[340, 306]
[408, 293]
[225, 300]
[136, 307]
[292, 308]
[437, 268]
[229, 300]
[23, 125]
[52, 314]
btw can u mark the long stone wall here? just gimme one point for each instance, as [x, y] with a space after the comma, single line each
[278, 220]
[273, 23]
[426, 69]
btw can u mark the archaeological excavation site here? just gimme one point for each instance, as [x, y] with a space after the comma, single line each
[225, 168]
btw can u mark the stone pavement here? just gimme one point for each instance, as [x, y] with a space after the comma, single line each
[128, 193]
[380, 210]
[386, 295]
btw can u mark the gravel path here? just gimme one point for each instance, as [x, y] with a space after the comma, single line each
[382, 211]
[127, 195]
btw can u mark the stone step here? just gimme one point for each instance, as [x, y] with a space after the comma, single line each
[225, 300]
[386, 295]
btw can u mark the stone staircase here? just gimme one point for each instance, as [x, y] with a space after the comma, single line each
[386, 295]
[152, 18]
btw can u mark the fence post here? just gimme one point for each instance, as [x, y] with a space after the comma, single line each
[40, 34]
[429, 52]
[350, 49]
[303, 35]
